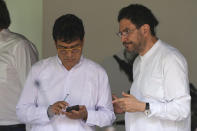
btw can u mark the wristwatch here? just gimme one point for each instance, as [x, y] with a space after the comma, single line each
[147, 109]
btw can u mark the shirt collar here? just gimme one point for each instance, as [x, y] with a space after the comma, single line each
[4, 32]
[151, 50]
[76, 66]
[4, 36]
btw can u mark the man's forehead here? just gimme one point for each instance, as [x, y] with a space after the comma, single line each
[125, 24]
[69, 45]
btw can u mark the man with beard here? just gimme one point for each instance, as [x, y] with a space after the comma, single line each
[159, 98]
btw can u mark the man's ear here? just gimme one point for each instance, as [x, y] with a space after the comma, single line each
[145, 29]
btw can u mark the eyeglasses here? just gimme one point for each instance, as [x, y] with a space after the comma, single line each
[126, 32]
[63, 50]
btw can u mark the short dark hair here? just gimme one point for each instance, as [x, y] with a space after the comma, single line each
[4, 15]
[68, 28]
[139, 15]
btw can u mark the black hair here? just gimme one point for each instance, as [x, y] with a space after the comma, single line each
[4, 15]
[68, 28]
[139, 15]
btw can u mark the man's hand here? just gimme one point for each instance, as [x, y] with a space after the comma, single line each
[116, 106]
[81, 114]
[58, 107]
[129, 103]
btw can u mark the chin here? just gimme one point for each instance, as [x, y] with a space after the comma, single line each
[68, 60]
[129, 50]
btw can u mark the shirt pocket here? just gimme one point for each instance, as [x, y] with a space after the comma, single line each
[45, 91]
[45, 81]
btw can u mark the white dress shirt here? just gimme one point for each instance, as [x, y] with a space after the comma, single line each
[161, 78]
[17, 54]
[86, 83]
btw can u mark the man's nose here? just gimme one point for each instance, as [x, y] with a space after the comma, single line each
[69, 53]
[123, 38]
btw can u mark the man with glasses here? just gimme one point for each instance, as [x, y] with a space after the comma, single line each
[159, 98]
[56, 84]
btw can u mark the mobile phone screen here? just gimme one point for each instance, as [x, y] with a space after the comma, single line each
[70, 108]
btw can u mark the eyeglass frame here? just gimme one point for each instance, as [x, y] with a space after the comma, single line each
[125, 33]
[66, 50]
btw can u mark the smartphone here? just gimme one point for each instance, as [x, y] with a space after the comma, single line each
[70, 108]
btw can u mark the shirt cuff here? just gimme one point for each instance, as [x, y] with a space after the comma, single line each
[157, 108]
[50, 112]
[45, 116]
[90, 118]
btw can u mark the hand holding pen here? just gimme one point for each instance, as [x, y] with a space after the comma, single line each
[60, 106]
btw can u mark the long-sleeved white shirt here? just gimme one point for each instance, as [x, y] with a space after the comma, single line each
[17, 54]
[161, 78]
[86, 83]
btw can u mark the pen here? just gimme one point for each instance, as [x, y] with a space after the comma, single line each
[65, 101]
[66, 97]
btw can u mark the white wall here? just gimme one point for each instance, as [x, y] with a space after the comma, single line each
[26, 19]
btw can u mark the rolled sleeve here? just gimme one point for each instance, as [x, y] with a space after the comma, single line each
[176, 102]
[32, 115]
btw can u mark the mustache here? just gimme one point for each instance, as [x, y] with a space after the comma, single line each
[126, 43]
